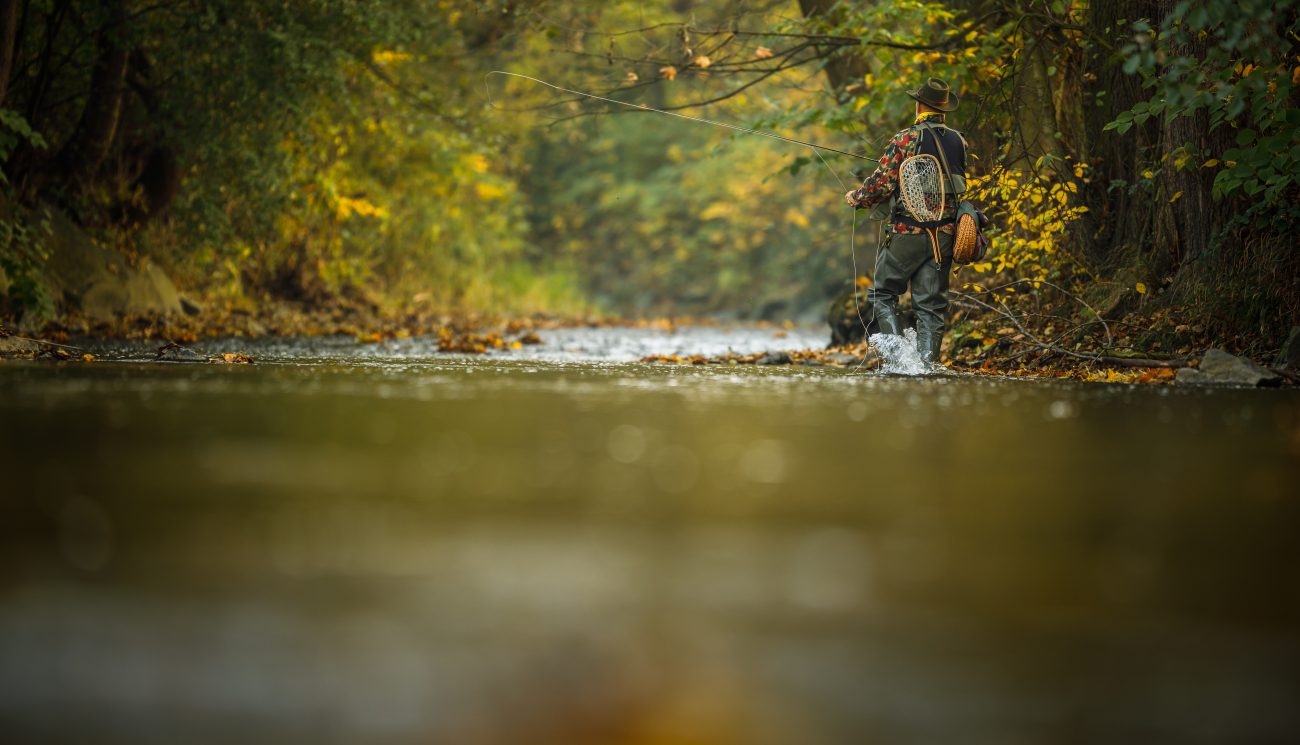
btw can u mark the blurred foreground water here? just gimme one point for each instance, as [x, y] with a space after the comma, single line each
[378, 544]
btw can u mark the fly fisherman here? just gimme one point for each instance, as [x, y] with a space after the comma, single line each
[907, 255]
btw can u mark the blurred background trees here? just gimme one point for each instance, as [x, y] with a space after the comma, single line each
[325, 149]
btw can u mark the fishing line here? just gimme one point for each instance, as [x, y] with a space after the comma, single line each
[816, 149]
[643, 107]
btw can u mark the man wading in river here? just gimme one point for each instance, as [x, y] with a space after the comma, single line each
[907, 255]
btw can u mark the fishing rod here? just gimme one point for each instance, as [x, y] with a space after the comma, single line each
[643, 107]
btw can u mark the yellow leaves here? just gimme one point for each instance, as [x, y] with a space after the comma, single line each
[702, 62]
[1148, 174]
[1247, 70]
[385, 57]
[1141, 288]
[477, 162]
[763, 53]
[1212, 162]
[668, 72]
[717, 210]
[348, 206]
[488, 190]
[1035, 217]
[1175, 197]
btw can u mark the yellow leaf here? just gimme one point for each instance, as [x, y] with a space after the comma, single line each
[703, 62]
[386, 57]
[762, 53]
[1175, 197]
[489, 191]
[1212, 162]
[1141, 288]
[669, 72]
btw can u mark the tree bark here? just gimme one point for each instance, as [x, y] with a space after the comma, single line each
[1119, 219]
[91, 141]
[842, 69]
[8, 38]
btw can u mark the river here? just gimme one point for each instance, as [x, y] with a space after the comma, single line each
[377, 543]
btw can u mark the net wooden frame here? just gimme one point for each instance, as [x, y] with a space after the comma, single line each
[920, 179]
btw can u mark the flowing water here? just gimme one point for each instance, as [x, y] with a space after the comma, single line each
[380, 544]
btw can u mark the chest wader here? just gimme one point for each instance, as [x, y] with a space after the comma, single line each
[907, 259]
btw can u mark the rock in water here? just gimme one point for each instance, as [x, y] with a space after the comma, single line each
[1220, 368]
[172, 352]
[774, 358]
[1289, 357]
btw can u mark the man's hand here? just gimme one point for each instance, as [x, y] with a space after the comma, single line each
[851, 198]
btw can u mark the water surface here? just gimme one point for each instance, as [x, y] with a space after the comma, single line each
[380, 544]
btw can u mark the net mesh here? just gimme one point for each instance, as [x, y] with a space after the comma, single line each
[921, 186]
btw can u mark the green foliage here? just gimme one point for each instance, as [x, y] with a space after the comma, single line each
[1235, 62]
[15, 131]
[22, 259]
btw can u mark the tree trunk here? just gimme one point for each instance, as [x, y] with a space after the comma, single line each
[8, 37]
[90, 143]
[1119, 220]
[842, 69]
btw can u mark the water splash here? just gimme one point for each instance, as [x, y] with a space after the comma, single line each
[901, 357]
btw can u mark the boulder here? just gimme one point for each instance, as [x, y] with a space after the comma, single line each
[102, 283]
[1289, 356]
[14, 345]
[1220, 368]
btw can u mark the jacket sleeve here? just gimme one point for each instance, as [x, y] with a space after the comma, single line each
[879, 186]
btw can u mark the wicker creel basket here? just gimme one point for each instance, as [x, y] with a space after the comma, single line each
[966, 245]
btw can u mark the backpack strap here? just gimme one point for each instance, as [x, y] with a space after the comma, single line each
[938, 145]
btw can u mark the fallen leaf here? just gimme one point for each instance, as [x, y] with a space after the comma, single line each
[234, 358]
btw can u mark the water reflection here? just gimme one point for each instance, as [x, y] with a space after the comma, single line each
[470, 551]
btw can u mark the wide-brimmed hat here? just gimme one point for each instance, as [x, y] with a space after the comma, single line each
[936, 94]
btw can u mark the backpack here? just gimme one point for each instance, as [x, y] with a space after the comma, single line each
[970, 244]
